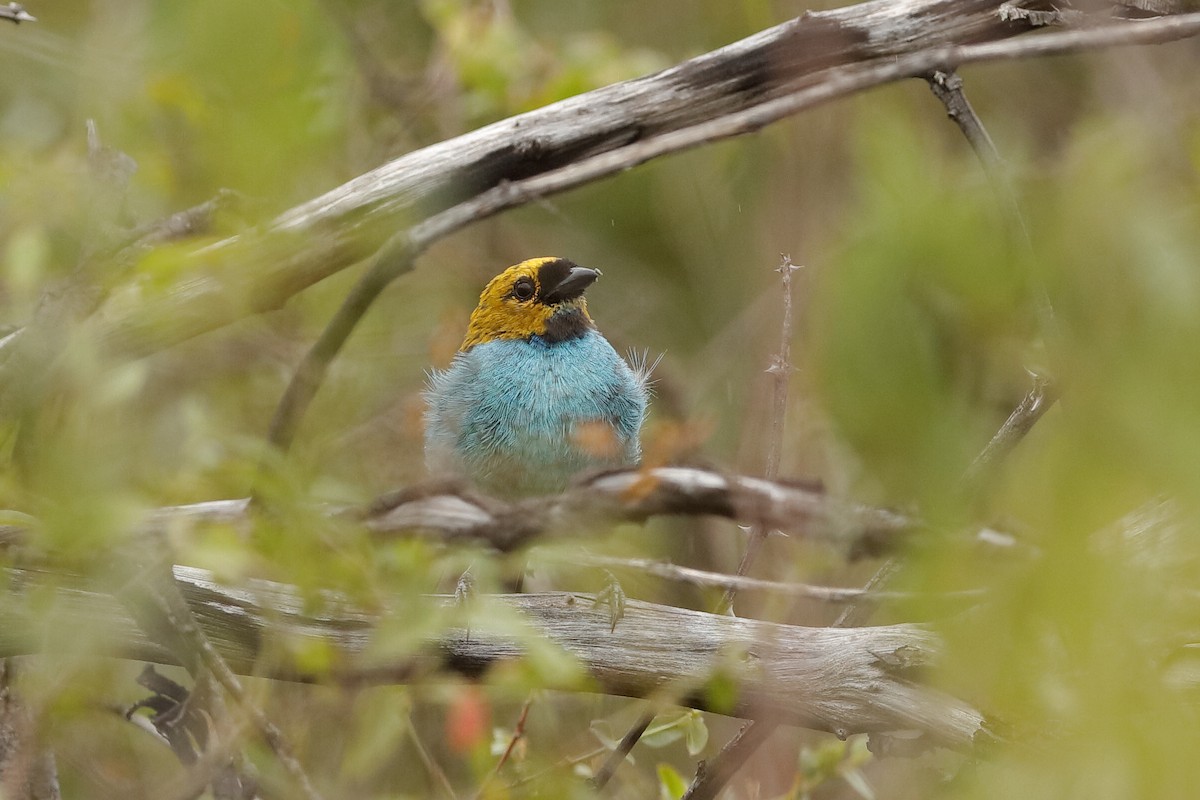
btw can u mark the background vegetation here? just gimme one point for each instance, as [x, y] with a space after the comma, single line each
[917, 327]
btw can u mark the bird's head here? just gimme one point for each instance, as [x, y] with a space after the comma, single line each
[539, 297]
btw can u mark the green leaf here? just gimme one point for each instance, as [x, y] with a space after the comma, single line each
[695, 733]
[665, 732]
[671, 785]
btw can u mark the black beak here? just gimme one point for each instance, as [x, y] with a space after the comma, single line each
[573, 284]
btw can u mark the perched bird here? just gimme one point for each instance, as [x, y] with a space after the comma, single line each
[535, 394]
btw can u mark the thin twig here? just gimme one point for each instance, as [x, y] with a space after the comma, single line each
[621, 751]
[699, 577]
[393, 259]
[1037, 401]
[431, 765]
[751, 736]
[947, 86]
[709, 782]
[713, 774]
[780, 371]
[273, 736]
[854, 613]
[517, 734]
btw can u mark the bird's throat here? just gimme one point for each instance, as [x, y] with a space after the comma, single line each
[569, 322]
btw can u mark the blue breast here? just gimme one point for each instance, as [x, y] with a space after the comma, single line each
[522, 416]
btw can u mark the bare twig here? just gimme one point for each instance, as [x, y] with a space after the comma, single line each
[619, 753]
[517, 734]
[431, 766]
[947, 86]
[1037, 401]
[392, 260]
[780, 370]
[852, 614]
[807, 591]
[712, 775]
[569, 761]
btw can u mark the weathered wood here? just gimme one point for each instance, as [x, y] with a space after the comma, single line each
[842, 680]
[451, 511]
[260, 270]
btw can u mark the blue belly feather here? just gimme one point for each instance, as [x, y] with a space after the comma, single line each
[506, 413]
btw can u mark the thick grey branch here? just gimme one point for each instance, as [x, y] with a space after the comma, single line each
[729, 92]
[261, 270]
[841, 680]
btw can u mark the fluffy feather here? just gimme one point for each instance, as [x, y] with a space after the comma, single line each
[521, 414]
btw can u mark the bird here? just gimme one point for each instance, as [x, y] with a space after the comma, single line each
[535, 394]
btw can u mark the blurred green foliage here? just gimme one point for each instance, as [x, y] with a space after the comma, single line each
[918, 324]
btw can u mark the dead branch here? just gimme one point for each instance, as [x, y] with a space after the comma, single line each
[841, 680]
[806, 591]
[804, 61]
[451, 512]
[1037, 401]
[781, 372]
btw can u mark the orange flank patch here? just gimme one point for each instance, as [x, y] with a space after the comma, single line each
[666, 442]
[597, 439]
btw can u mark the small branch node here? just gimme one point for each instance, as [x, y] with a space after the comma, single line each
[16, 13]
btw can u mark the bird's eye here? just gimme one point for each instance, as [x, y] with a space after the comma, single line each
[523, 289]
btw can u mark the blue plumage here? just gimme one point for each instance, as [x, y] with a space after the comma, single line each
[521, 416]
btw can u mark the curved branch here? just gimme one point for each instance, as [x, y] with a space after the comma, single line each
[260, 270]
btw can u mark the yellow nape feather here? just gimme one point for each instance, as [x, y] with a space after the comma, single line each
[503, 313]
